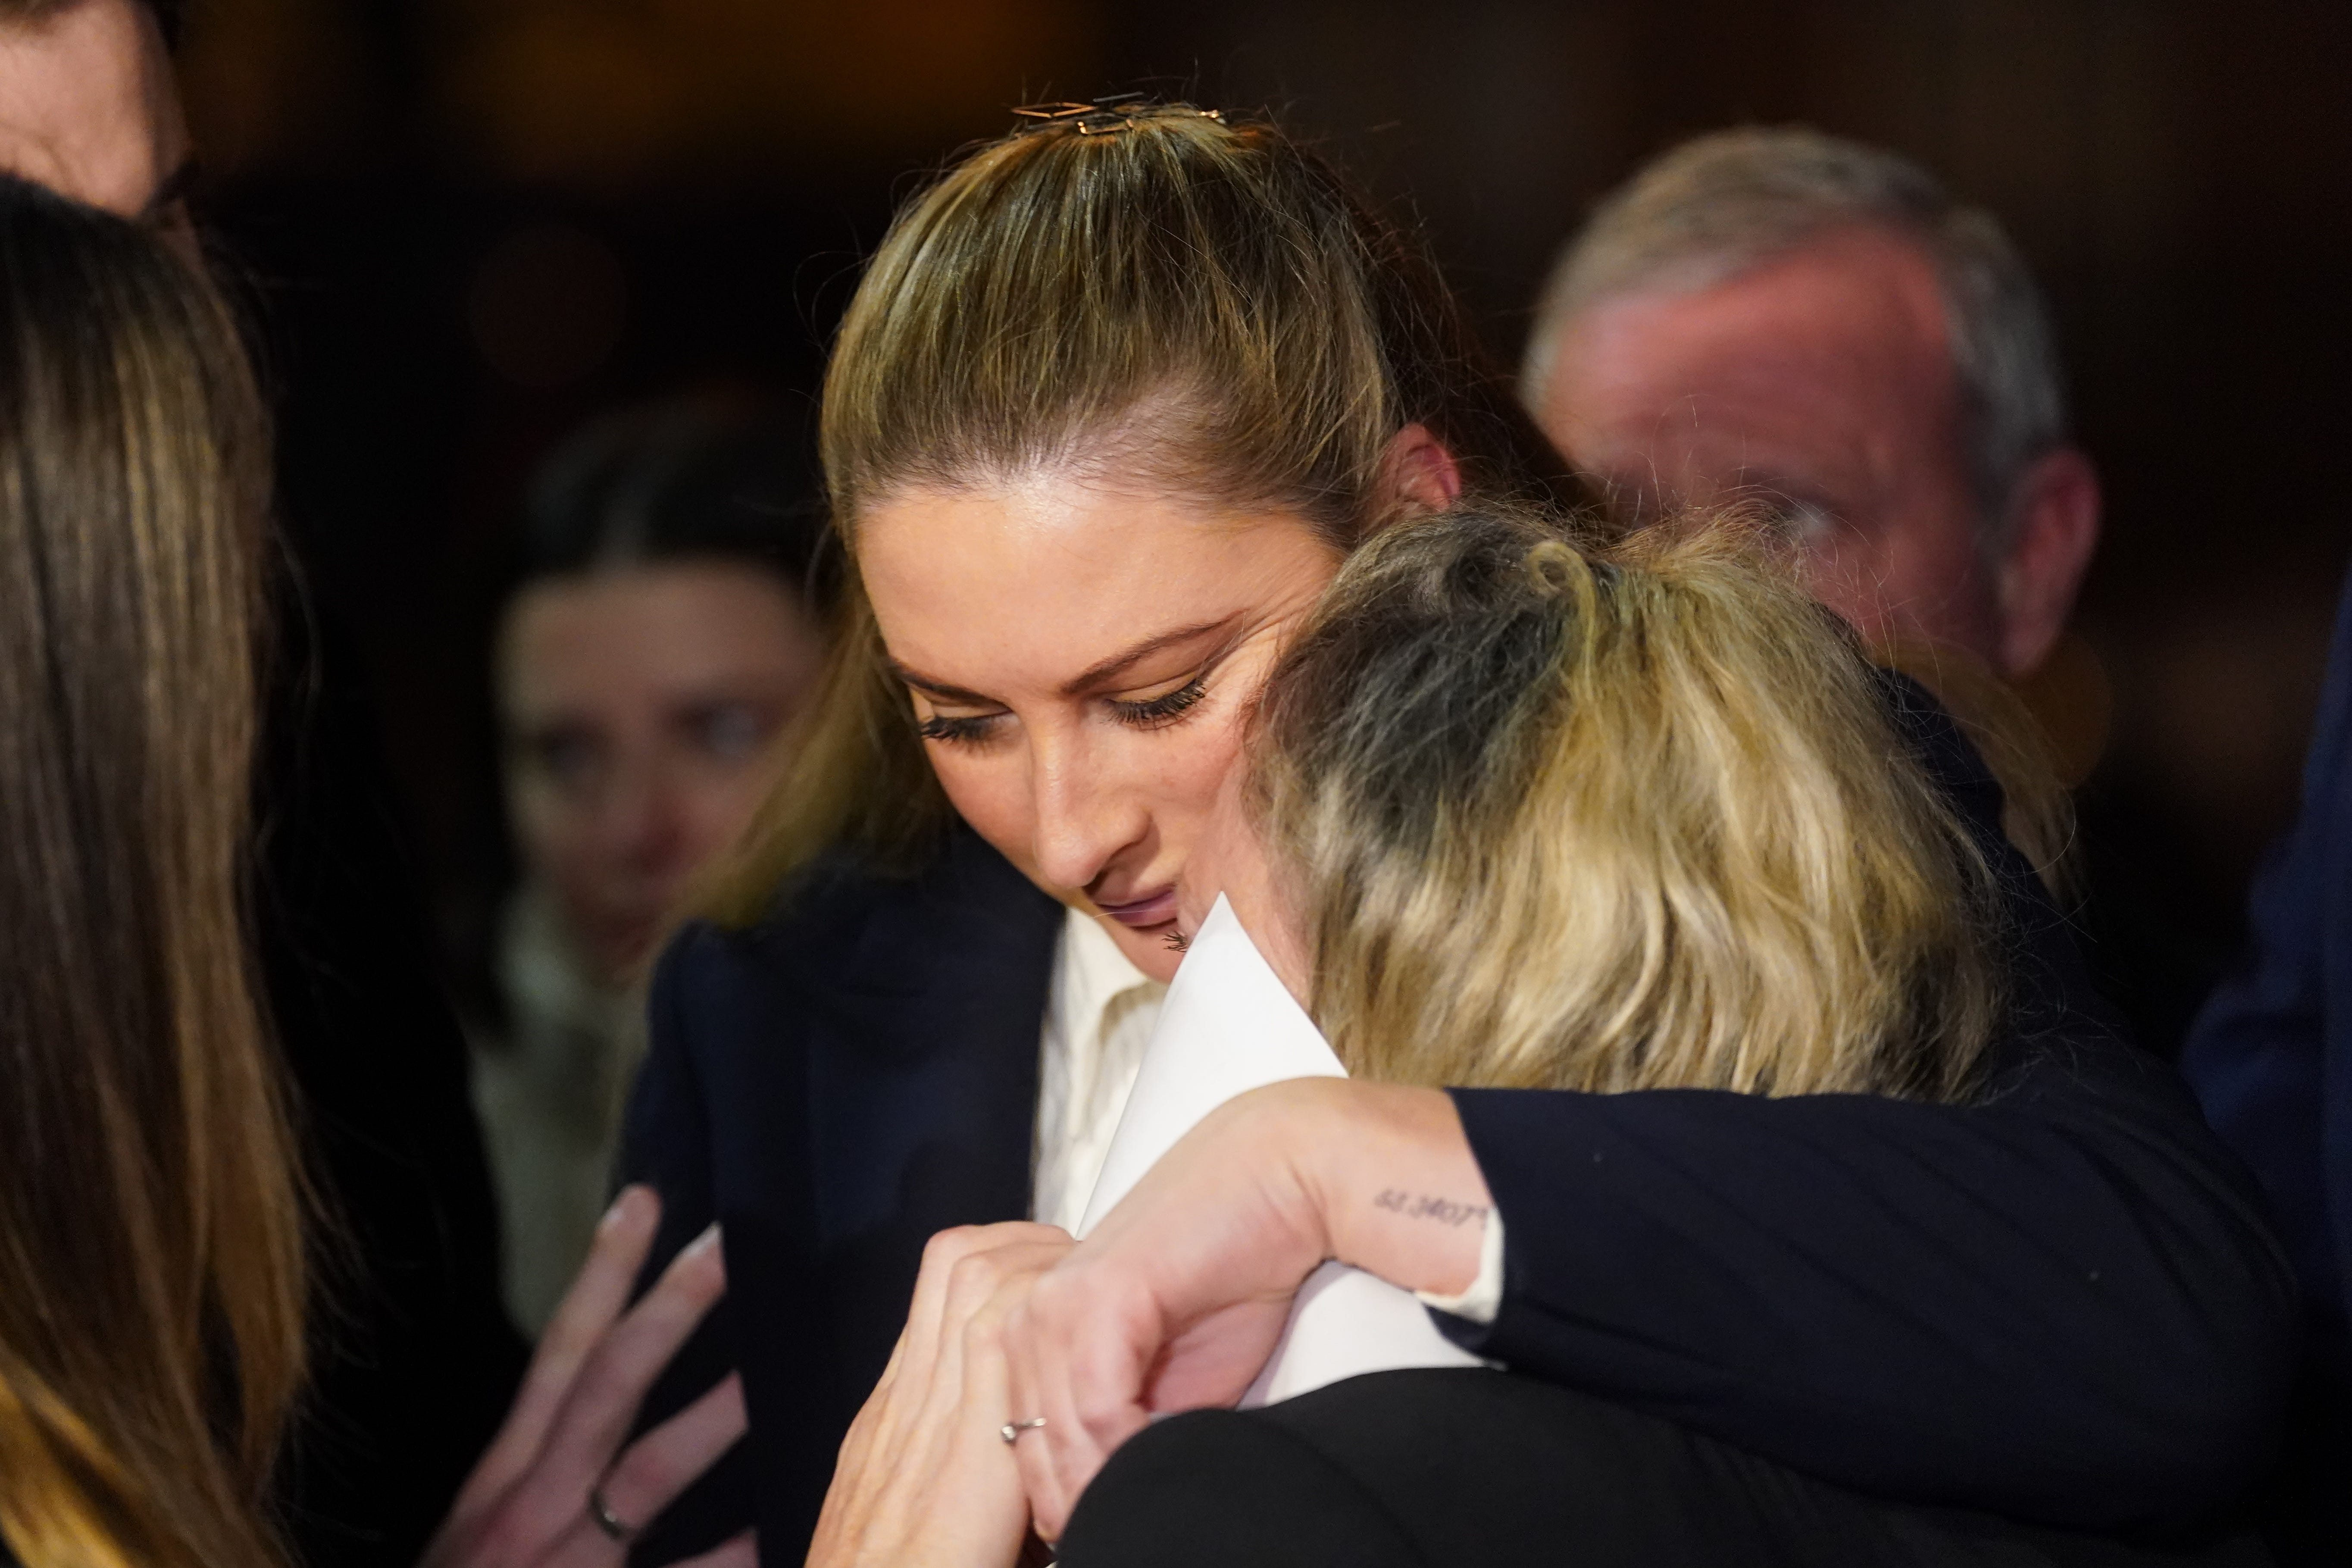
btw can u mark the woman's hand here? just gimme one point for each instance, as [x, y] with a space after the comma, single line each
[1176, 1299]
[527, 1503]
[926, 1479]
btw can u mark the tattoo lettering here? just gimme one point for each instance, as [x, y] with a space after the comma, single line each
[1445, 1211]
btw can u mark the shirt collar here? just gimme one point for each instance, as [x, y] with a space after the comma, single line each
[1098, 975]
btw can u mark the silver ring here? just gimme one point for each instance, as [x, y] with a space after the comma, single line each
[610, 1523]
[1010, 1431]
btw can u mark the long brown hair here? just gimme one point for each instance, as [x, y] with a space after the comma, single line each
[151, 1280]
[1155, 293]
[1621, 816]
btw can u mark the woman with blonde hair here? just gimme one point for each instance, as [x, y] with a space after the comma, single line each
[1117, 398]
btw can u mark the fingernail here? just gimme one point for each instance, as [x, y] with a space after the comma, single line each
[705, 1242]
[620, 1205]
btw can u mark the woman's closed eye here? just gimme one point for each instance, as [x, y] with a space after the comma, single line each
[959, 729]
[1155, 712]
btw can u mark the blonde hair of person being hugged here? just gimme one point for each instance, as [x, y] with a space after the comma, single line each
[1616, 817]
[152, 1274]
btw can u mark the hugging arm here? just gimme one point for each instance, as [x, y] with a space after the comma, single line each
[2061, 1305]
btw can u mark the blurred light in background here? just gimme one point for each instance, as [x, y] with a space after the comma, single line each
[608, 94]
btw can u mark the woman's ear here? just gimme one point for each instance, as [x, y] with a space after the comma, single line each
[1419, 472]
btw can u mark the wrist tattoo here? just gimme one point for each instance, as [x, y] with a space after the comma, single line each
[1421, 1206]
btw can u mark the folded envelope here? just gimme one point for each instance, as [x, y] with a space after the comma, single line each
[1228, 1027]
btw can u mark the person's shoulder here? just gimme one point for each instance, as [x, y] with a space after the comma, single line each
[851, 921]
[1953, 761]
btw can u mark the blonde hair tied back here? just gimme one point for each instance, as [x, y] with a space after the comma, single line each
[1194, 304]
[1617, 816]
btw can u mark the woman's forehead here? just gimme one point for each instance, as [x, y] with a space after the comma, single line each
[1041, 579]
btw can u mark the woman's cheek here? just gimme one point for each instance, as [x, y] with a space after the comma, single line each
[1217, 755]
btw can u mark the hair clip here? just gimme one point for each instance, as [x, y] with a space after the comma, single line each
[1105, 116]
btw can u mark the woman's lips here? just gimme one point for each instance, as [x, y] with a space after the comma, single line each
[1157, 909]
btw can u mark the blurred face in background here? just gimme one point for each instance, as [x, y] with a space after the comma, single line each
[1822, 384]
[638, 705]
[89, 109]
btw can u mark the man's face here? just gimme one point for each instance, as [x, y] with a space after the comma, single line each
[88, 107]
[1822, 384]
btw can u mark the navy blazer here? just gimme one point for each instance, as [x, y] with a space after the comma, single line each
[2060, 1304]
[2271, 1055]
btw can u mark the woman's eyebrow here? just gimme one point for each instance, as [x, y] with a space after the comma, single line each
[1108, 671]
[946, 691]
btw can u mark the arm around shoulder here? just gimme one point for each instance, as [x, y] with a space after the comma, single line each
[2062, 1305]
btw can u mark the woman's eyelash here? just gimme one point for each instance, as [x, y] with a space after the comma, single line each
[955, 732]
[1163, 709]
[971, 729]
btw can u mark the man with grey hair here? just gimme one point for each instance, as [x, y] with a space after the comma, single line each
[1782, 315]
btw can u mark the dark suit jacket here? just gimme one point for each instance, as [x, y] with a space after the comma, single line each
[2271, 1057]
[2060, 1304]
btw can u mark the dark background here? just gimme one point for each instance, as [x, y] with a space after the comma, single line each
[470, 223]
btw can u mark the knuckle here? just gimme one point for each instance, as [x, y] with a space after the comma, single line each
[985, 1332]
[1055, 1295]
[948, 1247]
[646, 1471]
[975, 1273]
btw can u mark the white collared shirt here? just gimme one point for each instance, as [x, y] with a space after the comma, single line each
[1099, 1013]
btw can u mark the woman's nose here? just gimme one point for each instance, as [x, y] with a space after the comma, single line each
[642, 821]
[1085, 816]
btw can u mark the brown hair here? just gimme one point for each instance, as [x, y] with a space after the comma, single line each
[150, 1327]
[1616, 817]
[1151, 293]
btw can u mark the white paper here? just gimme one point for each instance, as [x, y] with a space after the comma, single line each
[1228, 1025]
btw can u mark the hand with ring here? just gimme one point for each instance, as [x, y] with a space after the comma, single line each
[556, 1490]
[926, 1477]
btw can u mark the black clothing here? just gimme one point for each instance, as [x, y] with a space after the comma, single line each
[2059, 1304]
[838, 1086]
[415, 1359]
[2271, 1059]
[1468, 1470]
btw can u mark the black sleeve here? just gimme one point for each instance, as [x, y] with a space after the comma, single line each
[2057, 1307]
[666, 1145]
